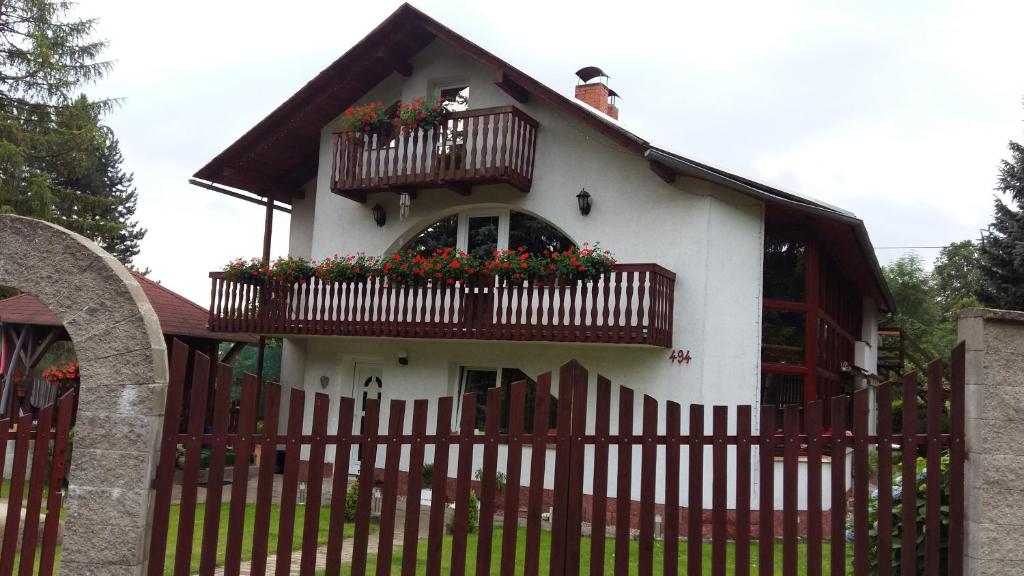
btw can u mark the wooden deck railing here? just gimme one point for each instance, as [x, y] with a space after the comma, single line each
[484, 146]
[631, 305]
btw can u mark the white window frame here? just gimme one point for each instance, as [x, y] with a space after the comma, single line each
[462, 231]
[463, 369]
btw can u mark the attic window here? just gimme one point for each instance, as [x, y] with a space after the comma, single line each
[456, 97]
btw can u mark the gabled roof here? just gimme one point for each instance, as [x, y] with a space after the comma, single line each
[178, 315]
[278, 156]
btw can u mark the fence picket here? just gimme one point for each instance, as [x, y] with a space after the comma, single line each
[743, 441]
[439, 490]
[367, 465]
[339, 486]
[838, 511]
[240, 475]
[884, 407]
[290, 481]
[389, 495]
[648, 468]
[190, 478]
[180, 356]
[414, 484]
[695, 497]
[314, 484]
[599, 516]
[563, 449]
[860, 480]
[719, 486]
[542, 404]
[516, 425]
[791, 451]
[623, 481]
[814, 515]
[957, 416]
[30, 533]
[460, 529]
[265, 486]
[15, 497]
[488, 487]
[933, 476]
[908, 498]
[51, 527]
[215, 483]
[766, 488]
[673, 419]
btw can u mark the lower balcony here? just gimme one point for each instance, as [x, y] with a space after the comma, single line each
[633, 304]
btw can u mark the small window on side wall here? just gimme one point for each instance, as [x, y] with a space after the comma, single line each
[456, 97]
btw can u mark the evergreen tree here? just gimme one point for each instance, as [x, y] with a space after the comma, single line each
[1002, 246]
[57, 161]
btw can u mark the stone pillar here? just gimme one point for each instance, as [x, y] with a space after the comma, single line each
[995, 441]
[120, 347]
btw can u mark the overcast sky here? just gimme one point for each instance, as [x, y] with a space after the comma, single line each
[899, 112]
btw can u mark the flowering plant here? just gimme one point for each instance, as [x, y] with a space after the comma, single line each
[515, 265]
[587, 263]
[62, 372]
[422, 113]
[400, 267]
[292, 270]
[339, 269]
[449, 265]
[241, 269]
[365, 118]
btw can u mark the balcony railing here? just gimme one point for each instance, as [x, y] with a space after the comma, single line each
[485, 146]
[631, 305]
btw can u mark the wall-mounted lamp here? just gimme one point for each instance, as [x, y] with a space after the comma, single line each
[325, 382]
[379, 215]
[403, 358]
[583, 199]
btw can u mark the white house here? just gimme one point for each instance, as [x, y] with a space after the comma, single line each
[764, 295]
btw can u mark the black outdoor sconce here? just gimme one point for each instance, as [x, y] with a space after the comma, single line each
[583, 199]
[379, 216]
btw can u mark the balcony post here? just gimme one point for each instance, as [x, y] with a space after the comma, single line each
[268, 228]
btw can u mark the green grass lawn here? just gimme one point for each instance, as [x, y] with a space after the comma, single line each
[585, 557]
[222, 534]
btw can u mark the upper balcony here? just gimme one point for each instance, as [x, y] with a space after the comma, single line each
[483, 146]
[633, 304]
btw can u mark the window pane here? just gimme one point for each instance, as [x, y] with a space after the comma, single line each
[535, 234]
[783, 269]
[782, 389]
[456, 98]
[440, 234]
[483, 236]
[478, 381]
[782, 337]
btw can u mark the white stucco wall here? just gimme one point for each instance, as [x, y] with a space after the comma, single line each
[709, 236]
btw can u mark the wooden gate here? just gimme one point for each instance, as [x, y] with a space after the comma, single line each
[552, 501]
[39, 444]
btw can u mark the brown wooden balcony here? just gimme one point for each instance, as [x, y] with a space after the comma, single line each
[485, 146]
[631, 305]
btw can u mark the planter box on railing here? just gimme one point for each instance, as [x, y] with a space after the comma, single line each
[631, 305]
[484, 146]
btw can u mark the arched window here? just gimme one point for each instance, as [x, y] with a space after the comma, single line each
[481, 232]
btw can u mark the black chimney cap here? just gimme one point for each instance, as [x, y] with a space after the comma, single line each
[588, 73]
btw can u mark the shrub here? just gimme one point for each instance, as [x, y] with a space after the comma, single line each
[516, 265]
[340, 269]
[587, 263]
[474, 512]
[500, 478]
[366, 118]
[351, 501]
[292, 269]
[241, 269]
[420, 113]
[920, 488]
[428, 475]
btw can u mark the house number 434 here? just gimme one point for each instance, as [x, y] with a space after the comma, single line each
[679, 356]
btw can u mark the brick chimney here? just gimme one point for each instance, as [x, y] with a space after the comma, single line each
[596, 93]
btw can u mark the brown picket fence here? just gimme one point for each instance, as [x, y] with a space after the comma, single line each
[578, 523]
[36, 445]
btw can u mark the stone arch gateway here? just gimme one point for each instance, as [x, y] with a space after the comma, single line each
[123, 358]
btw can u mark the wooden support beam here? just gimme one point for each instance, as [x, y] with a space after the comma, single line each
[232, 354]
[511, 87]
[52, 336]
[354, 195]
[663, 172]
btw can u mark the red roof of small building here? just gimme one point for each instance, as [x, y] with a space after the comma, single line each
[178, 315]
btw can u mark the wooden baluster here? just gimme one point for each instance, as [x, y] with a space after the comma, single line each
[616, 322]
[630, 329]
[484, 169]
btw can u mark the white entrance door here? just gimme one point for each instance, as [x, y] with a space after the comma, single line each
[368, 384]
